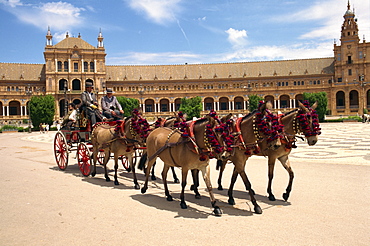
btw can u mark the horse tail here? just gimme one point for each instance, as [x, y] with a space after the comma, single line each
[219, 164]
[143, 161]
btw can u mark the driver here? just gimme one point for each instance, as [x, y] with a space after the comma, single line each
[112, 109]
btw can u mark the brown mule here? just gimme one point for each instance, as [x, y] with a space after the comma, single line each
[256, 133]
[171, 122]
[177, 150]
[120, 139]
[300, 121]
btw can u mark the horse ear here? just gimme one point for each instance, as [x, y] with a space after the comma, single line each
[226, 118]
[300, 104]
[212, 121]
[263, 107]
[314, 105]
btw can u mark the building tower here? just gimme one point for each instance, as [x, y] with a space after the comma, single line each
[49, 38]
[351, 65]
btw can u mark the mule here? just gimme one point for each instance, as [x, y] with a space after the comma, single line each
[171, 122]
[176, 149]
[302, 121]
[120, 138]
[257, 133]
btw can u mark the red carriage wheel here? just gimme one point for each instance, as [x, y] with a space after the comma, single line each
[61, 150]
[101, 156]
[84, 159]
[125, 163]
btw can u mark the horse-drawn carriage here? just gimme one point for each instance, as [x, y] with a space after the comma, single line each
[78, 139]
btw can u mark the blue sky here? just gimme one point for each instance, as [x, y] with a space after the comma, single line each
[180, 31]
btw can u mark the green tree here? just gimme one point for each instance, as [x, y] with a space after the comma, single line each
[191, 107]
[253, 102]
[128, 104]
[42, 109]
[322, 102]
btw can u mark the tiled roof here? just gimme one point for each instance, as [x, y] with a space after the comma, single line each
[71, 42]
[302, 67]
[20, 71]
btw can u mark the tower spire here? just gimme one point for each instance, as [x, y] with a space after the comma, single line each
[100, 40]
[49, 38]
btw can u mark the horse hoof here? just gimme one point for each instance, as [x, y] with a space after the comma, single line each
[191, 187]
[220, 188]
[107, 179]
[143, 190]
[176, 181]
[257, 209]
[169, 198]
[272, 198]
[128, 169]
[93, 174]
[285, 196]
[138, 187]
[217, 211]
[231, 201]
[183, 205]
[197, 196]
[153, 178]
[116, 183]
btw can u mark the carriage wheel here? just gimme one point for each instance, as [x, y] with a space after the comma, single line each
[61, 150]
[84, 159]
[125, 163]
[101, 156]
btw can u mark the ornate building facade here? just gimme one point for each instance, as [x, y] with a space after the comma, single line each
[224, 87]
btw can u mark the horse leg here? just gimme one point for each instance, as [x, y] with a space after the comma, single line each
[222, 168]
[195, 185]
[164, 178]
[175, 179]
[271, 166]
[115, 169]
[106, 159]
[234, 176]
[153, 175]
[183, 185]
[206, 176]
[248, 186]
[286, 164]
[95, 158]
[137, 186]
[149, 165]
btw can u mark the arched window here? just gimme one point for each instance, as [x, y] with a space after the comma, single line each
[76, 85]
[340, 99]
[61, 84]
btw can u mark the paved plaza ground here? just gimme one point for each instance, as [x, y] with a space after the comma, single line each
[329, 205]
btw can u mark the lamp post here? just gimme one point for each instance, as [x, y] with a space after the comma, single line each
[364, 100]
[141, 92]
[29, 94]
[65, 98]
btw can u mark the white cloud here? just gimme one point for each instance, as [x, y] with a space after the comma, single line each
[58, 15]
[11, 3]
[330, 15]
[257, 53]
[159, 11]
[237, 38]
